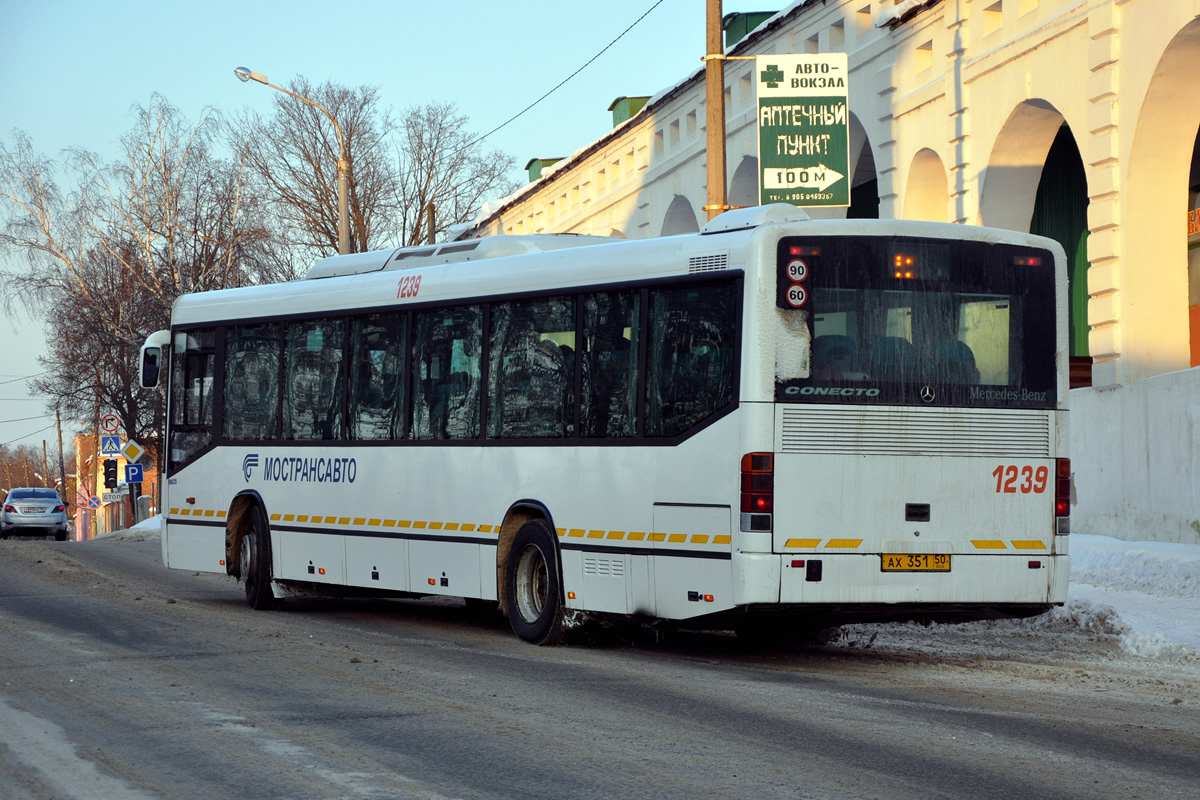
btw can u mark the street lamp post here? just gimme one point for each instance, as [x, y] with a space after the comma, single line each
[244, 74]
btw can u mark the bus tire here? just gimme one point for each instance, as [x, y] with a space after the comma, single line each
[533, 586]
[255, 566]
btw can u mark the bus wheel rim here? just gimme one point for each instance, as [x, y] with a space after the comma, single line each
[244, 558]
[532, 584]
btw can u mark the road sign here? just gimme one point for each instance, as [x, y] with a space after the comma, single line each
[132, 451]
[133, 473]
[110, 445]
[804, 129]
[111, 497]
[93, 502]
[110, 423]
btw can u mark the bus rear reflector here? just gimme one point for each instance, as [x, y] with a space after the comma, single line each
[1062, 487]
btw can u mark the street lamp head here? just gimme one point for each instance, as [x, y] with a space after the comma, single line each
[245, 74]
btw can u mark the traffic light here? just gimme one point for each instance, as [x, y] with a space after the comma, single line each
[110, 473]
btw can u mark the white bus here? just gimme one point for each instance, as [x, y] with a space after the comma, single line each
[775, 424]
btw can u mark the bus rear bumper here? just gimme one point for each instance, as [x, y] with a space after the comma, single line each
[975, 587]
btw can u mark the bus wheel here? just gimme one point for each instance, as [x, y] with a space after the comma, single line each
[255, 566]
[532, 585]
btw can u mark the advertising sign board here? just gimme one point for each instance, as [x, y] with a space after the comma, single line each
[804, 129]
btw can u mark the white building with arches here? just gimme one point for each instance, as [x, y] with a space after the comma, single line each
[1075, 119]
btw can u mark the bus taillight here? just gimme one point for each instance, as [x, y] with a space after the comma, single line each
[758, 489]
[1062, 487]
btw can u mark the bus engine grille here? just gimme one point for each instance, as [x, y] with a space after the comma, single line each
[921, 432]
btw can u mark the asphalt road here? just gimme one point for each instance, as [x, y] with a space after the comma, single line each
[121, 679]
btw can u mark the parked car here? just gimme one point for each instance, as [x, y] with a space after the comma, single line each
[34, 512]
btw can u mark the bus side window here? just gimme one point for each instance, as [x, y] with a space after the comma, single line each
[692, 353]
[192, 358]
[312, 407]
[377, 377]
[446, 366]
[610, 364]
[532, 369]
[251, 406]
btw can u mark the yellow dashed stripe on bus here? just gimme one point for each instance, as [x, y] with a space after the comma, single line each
[196, 512]
[802, 543]
[1017, 544]
[355, 522]
[470, 527]
[641, 536]
[840, 544]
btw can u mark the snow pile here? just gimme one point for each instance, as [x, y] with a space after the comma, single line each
[1126, 599]
[1156, 586]
[1104, 625]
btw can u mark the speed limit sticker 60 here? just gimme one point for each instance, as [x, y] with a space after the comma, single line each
[796, 295]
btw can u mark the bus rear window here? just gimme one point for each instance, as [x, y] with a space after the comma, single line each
[906, 322]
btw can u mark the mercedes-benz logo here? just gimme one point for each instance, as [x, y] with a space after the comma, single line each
[927, 394]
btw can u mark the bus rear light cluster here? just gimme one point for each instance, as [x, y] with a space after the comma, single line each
[1062, 496]
[758, 491]
[1062, 487]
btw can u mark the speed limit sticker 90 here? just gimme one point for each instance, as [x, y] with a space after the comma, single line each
[796, 295]
[797, 270]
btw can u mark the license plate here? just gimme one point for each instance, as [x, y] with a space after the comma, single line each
[32, 510]
[915, 562]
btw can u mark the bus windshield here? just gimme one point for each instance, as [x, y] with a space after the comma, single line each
[906, 321]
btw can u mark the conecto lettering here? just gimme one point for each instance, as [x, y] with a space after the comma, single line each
[834, 391]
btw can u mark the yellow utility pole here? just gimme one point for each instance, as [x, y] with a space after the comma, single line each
[714, 83]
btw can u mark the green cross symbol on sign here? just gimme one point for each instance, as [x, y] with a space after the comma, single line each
[772, 75]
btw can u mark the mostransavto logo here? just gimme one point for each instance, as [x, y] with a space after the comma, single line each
[310, 470]
[248, 464]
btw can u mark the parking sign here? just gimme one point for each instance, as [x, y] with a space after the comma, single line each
[133, 473]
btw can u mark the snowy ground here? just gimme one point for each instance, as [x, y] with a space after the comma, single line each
[1131, 598]
[1153, 586]
[1133, 606]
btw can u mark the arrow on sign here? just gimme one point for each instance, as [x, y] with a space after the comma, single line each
[818, 178]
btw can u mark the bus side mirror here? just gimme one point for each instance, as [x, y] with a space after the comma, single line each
[154, 350]
[151, 360]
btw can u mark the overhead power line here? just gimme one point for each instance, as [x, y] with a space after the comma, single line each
[564, 80]
[27, 377]
[26, 436]
[26, 419]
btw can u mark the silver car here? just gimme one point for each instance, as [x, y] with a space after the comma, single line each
[33, 512]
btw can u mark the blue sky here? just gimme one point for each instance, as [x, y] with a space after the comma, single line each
[71, 71]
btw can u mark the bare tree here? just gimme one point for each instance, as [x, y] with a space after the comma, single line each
[106, 259]
[293, 154]
[442, 163]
